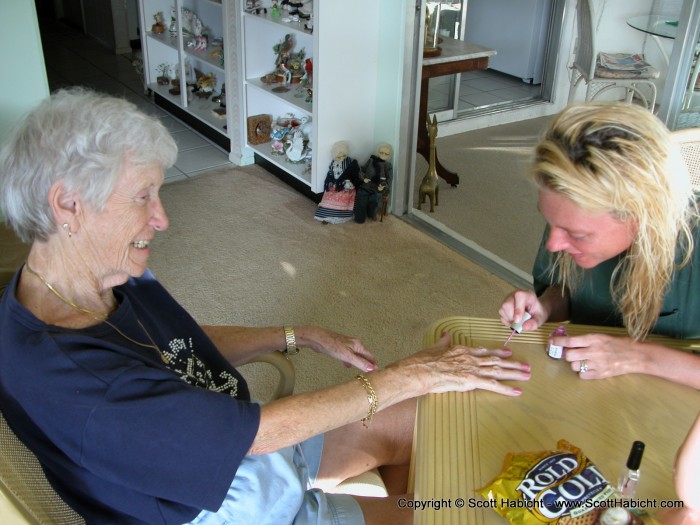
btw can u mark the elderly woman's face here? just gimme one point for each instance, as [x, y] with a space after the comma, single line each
[122, 231]
[589, 238]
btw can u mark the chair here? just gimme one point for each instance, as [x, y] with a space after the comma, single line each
[599, 79]
[689, 142]
[26, 496]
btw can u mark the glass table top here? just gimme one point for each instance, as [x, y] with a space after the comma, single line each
[659, 25]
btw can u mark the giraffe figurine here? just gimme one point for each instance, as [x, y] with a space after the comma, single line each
[429, 186]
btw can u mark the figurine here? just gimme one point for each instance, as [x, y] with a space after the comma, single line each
[374, 185]
[339, 191]
[296, 151]
[159, 26]
[429, 186]
[275, 10]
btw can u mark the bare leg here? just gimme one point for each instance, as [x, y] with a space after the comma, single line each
[354, 449]
[386, 511]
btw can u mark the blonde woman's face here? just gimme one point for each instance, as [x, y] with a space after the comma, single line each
[589, 238]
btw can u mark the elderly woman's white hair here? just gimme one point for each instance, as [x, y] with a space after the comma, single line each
[85, 139]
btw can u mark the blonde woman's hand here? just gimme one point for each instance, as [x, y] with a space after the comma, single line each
[597, 356]
[515, 305]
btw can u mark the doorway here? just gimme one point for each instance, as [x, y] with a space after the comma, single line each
[519, 30]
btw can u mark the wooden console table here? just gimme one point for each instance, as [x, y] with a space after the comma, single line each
[457, 56]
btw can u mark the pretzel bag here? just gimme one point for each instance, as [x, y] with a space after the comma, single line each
[553, 486]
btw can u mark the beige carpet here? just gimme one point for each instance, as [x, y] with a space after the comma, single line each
[494, 205]
[243, 248]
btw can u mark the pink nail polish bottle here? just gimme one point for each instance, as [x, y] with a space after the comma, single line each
[556, 351]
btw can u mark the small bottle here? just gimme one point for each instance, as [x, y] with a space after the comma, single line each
[556, 351]
[629, 477]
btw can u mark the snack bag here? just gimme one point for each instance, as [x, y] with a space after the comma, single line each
[553, 486]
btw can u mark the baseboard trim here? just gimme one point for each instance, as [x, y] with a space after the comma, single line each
[472, 251]
[218, 138]
[285, 177]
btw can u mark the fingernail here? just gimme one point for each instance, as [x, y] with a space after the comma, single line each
[518, 391]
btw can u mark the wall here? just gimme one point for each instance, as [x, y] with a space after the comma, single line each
[23, 83]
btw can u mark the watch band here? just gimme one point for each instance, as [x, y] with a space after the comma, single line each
[291, 341]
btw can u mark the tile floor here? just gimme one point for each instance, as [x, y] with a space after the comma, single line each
[479, 89]
[73, 58]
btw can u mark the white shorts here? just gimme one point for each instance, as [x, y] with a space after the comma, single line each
[275, 489]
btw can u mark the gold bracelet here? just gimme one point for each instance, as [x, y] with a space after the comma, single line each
[291, 341]
[371, 399]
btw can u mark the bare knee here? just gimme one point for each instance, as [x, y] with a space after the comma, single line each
[386, 511]
[354, 449]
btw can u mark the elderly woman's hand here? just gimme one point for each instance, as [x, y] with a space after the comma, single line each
[350, 350]
[445, 368]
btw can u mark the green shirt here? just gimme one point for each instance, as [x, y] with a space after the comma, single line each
[592, 303]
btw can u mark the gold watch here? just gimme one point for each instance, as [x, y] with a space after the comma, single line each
[291, 341]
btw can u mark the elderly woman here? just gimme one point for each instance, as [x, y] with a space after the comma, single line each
[618, 246]
[135, 412]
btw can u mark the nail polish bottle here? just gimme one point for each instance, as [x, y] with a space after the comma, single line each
[556, 351]
[629, 477]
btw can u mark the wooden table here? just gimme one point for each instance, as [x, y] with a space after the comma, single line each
[457, 56]
[462, 439]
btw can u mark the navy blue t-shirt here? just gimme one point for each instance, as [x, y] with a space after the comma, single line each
[122, 436]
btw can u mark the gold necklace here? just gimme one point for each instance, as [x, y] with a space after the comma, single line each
[98, 316]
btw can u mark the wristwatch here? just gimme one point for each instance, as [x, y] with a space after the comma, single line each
[291, 341]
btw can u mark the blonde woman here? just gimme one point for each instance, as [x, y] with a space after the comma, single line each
[618, 248]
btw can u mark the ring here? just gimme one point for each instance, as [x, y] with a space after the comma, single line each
[584, 366]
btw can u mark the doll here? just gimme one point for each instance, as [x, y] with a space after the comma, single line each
[374, 185]
[339, 190]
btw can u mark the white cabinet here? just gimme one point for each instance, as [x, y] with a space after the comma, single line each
[344, 48]
[177, 49]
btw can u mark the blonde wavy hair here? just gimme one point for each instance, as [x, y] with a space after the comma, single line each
[620, 159]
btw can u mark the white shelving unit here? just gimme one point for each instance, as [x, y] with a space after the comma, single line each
[356, 53]
[344, 81]
[174, 49]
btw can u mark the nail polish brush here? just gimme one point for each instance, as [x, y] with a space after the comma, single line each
[517, 327]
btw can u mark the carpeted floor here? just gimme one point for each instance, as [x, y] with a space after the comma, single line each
[494, 205]
[243, 249]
